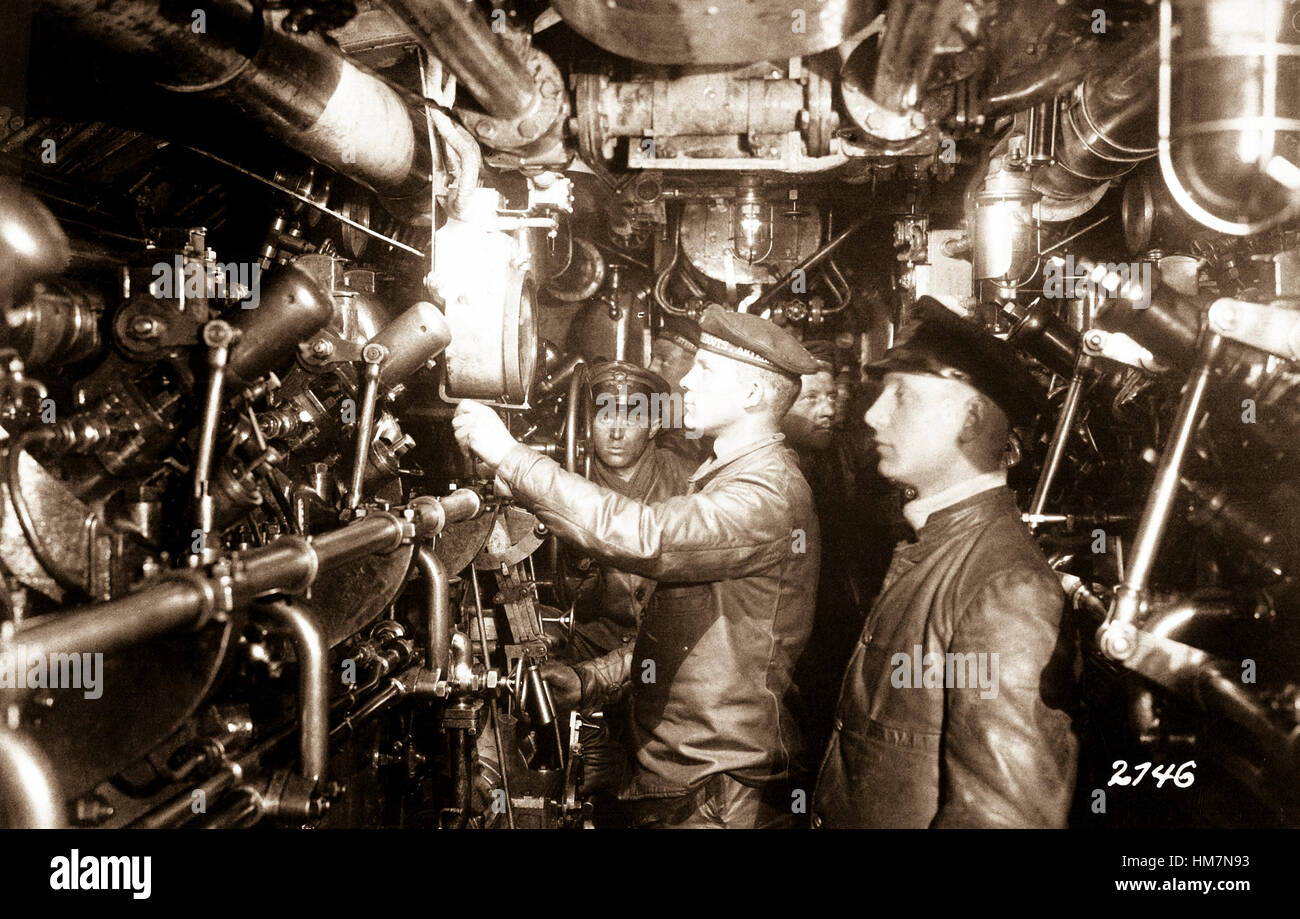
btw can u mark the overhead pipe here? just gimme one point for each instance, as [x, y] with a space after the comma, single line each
[29, 792]
[1106, 129]
[889, 108]
[1031, 86]
[1034, 85]
[304, 91]
[521, 93]
[454, 33]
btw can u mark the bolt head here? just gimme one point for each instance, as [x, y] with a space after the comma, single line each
[145, 327]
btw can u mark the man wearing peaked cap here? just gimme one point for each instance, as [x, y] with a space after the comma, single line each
[672, 354]
[754, 340]
[955, 708]
[942, 344]
[630, 404]
[712, 737]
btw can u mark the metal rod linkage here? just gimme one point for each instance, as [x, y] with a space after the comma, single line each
[1117, 636]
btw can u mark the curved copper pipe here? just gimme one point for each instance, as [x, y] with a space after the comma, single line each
[437, 608]
[313, 686]
[27, 784]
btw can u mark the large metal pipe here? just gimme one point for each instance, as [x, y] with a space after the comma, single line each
[1031, 86]
[29, 792]
[455, 33]
[889, 107]
[182, 599]
[1107, 128]
[520, 90]
[437, 608]
[304, 91]
[913, 32]
[313, 686]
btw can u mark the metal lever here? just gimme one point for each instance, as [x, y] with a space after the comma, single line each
[1118, 634]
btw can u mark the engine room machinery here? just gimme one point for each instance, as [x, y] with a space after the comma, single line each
[253, 253]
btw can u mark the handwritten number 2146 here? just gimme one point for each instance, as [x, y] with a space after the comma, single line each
[1181, 774]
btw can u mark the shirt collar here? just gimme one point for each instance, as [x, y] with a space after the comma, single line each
[713, 465]
[918, 512]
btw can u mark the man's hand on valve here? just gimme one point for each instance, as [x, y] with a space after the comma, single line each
[566, 686]
[480, 430]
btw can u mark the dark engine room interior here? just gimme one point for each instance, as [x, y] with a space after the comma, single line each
[255, 255]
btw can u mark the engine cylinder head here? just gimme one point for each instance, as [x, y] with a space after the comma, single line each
[292, 307]
[412, 339]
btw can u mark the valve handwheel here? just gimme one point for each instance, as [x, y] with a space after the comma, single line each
[577, 424]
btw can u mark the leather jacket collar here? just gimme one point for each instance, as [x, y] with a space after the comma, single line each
[712, 466]
[969, 512]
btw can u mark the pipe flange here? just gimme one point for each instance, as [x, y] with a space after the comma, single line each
[880, 122]
[531, 130]
[217, 598]
[821, 120]
[588, 91]
[313, 563]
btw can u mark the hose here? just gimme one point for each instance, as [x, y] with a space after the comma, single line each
[13, 479]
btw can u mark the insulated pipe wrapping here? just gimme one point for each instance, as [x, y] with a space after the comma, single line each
[1106, 129]
[304, 91]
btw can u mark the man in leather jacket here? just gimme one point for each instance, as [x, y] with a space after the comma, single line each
[630, 405]
[713, 739]
[630, 461]
[841, 603]
[954, 710]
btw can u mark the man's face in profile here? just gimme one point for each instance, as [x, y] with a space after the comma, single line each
[917, 421]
